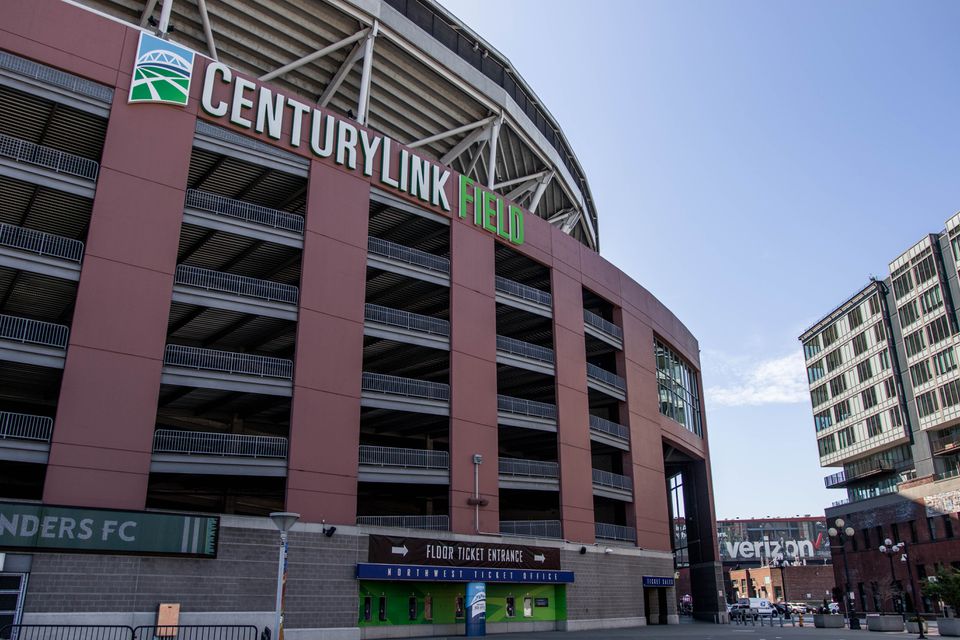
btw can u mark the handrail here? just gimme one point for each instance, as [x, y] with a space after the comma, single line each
[532, 528]
[406, 320]
[48, 157]
[609, 427]
[177, 355]
[55, 77]
[23, 426]
[383, 383]
[522, 406]
[609, 531]
[528, 468]
[246, 211]
[612, 379]
[240, 285]
[614, 480]
[433, 522]
[601, 323]
[401, 457]
[403, 253]
[41, 243]
[524, 349]
[514, 288]
[218, 444]
[29, 331]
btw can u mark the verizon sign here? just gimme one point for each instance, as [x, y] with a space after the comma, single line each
[747, 550]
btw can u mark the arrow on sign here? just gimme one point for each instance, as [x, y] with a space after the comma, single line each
[399, 551]
[539, 557]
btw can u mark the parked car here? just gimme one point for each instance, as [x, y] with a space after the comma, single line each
[758, 606]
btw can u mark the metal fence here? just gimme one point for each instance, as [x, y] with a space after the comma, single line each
[532, 528]
[509, 404]
[227, 362]
[66, 632]
[615, 532]
[40, 243]
[406, 320]
[614, 480]
[612, 379]
[48, 158]
[33, 332]
[382, 383]
[225, 135]
[274, 218]
[514, 288]
[612, 428]
[23, 426]
[524, 349]
[601, 323]
[433, 523]
[239, 285]
[528, 468]
[55, 77]
[399, 457]
[394, 251]
[197, 632]
[218, 444]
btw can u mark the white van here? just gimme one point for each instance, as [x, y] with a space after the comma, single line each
[757, 606]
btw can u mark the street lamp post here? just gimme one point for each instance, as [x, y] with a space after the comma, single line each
[842, 534]
[901, 548]
[888, 549]
[283, 520]
[780, 561]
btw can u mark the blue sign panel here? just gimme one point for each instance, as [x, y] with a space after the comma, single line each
[476, 609]
[424, 573]
[657, 581]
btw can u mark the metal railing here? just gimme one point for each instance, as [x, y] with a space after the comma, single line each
[396, 385]
[23, 426]
[612, 379]
[433, 523]
[48, 158]
[66, 632]
[400, 457]
[208, 443]
[524, 349]
[226, 135]
[857, 470]
[945, 442]
[197, 632]
[238, 285]
[614, 480]
[41, 243]
[528, 468]
[406, 320]
[514, 288]
[206, 201]
[30, 331]
[532, 408]
[608, 531]
[835, 479]
[601, 323]
[402, 253]
[55, 77]
[532, 528]
[952, 472]
[227, 362]
[609, 427]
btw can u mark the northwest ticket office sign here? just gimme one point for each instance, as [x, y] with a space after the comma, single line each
[424, 573]
[38, 527]
[454, 553]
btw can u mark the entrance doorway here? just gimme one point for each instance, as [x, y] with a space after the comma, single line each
[655, 604]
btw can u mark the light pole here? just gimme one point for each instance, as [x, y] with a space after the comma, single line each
[283, 520]
[888, 549]
[842, 534]
[901, 548]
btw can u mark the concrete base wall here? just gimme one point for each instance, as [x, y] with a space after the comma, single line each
[602, 623]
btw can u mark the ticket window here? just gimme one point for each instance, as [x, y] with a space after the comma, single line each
[511, 607]
[528, 607]
[382, 609]
[412, 608]
[367, 608]
[459, 607]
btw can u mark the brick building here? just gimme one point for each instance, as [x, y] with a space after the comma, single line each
[810, 584]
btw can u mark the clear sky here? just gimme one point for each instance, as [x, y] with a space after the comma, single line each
[753, 163]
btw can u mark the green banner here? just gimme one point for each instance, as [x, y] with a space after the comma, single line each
[38, 527]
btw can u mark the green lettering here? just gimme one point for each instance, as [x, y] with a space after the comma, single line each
[491, 206]
[466, 195]
[516, 225]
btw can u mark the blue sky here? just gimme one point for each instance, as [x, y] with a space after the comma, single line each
[753, 163]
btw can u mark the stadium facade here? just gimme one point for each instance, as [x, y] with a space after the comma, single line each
[332, 258]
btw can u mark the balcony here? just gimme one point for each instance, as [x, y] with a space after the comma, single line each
[398, 258]
[605, 531]
[431, 523]
[383, 391]
[407, 327]
[533, 475]
[612, 485]
[532, 528]
[199, 452]
[49, 167]
[858, 471]
[524, 355]
[226, 370]
[609, 433]
[529, 414]
[229, 143]
[33, 341]
[39, 252]
[24, 437]
[212, 211]
[37, 79]
[947, 443]
[520, 296]
[600, 379]
[602, 329]
[208, 288]
[398, 465]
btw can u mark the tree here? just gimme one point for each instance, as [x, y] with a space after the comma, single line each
[946, 588]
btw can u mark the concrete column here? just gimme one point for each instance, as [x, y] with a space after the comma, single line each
[325, 416]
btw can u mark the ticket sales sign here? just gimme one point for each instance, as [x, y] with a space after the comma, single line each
[455, 553]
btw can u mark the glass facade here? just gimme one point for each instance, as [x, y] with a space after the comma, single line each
[679, 392]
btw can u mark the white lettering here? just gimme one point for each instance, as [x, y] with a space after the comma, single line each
[385, 177]
[439, 196]
[122, 532]
[206, 98]
[109, 527]
[269, 113]
[66, 527]
[240, 102]
[404, 165]
[296, 126]
[328, 123]
[9, 527]
[419, 178]
[86, 529]
[347, 144]
[369, 147]
[48, 526]
[29, 525]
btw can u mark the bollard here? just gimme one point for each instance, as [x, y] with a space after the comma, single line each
[800, 618]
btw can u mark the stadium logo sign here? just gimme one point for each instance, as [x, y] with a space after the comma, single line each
[162, 72]
[280, 117]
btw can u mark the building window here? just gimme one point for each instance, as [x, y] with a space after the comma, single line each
[895, 418]
[920, 373]
[811, 347]
[932, 528]
[834, 359]
[879, 334]
[914, 343]
[884, 360]
[860, 343]
[938, 330]
[841, 411]
[947, 525]
[864, 371]
[874, 304]
[950, 394]
[927, 404]
[855, 318]
[822, 420]
[925, 270]
[815, 371]
[819, 395]
[895, 532]
[869, 397]
[890, 388]
[866, 538]
[827, 445]
[955, 244]
[913, 530]
[908, 314]
[902, 285]
[874, 426]
[945, 361]
[846, 437]
[679, 391]
[838, 385]
[931, 299]
[830, 335]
